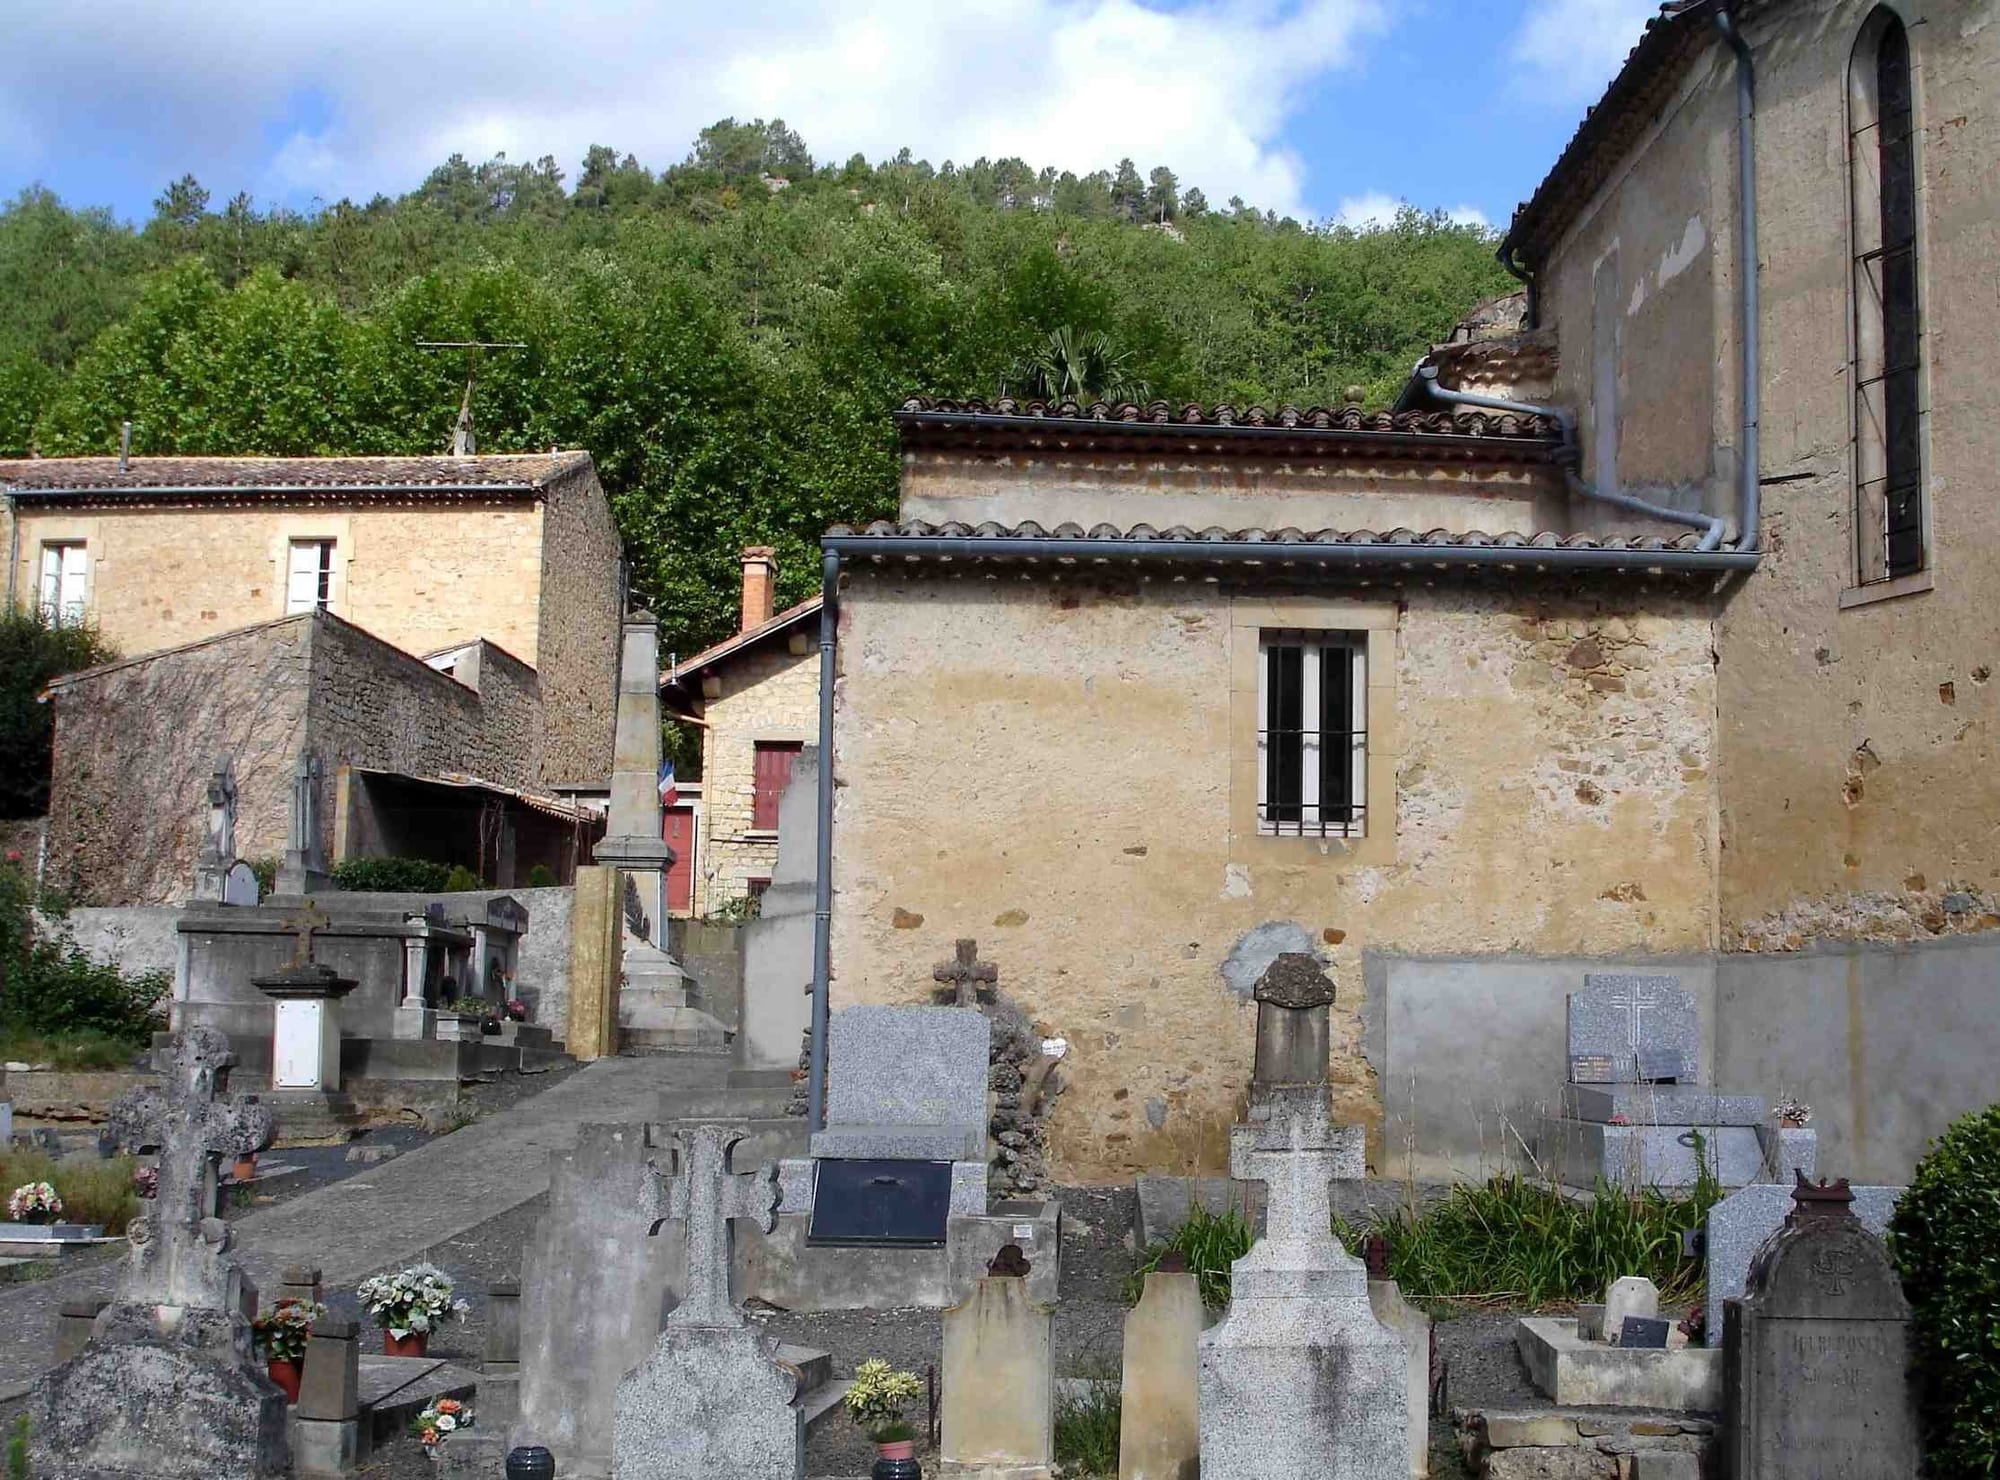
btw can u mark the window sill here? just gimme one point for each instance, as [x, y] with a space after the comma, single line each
[1910, 585]
[755, 835]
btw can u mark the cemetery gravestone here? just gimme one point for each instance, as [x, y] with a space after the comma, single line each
[1740, 1224]
[999, 1379]
[1638, 1023]
[1816, 1353]
[1159, 1424]
[1625, 1299]
[712, 1399]
[167, 1387]
[907, 1082]
[239, 885]
[1300, 1379]
[1292, 997]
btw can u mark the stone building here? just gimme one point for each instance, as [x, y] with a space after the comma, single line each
[755, 696]
[1086, 680]
[442, 618]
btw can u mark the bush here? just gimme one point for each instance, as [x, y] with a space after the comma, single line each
[266, 870]
[541, 876]
[50, 989]
[461, 880]
[392, 875]
[1941, 1236]
[31, 653]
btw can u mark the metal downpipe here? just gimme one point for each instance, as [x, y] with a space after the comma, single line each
[1749, 488]
[823, 862]
[1711, 526]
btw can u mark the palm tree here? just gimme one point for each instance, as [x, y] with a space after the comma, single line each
[1078, 366]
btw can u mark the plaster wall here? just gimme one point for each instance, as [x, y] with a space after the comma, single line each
[1531, 799]
[1236, 489]
[134, 937]
[1857, 724]
[421, 575]
[768, 693]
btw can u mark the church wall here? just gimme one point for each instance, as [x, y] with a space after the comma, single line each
[1858, 727]
[1545, 755]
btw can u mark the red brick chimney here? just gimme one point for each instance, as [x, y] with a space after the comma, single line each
[760, 585]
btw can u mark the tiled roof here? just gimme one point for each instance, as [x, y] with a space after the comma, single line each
[57, 476]
[1628, 106]
[787, 618]
[1193, 421]
[1410, 539]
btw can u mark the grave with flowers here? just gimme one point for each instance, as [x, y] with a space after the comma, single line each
[35, 1228]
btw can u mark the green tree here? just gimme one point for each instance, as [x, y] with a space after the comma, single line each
[1068, 366]
[1163, 196]
[33, 651]
[1128, 192]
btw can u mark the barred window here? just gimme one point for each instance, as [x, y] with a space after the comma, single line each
[1312, 744]
[1888, 326]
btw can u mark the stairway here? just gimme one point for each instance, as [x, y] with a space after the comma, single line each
[654, 1012]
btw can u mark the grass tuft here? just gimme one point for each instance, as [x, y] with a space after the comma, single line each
[1087, 1431]
[1210, 1242]
[70, 1052]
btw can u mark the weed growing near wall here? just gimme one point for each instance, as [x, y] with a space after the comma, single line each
[1087, 1431]
[1210, 1242]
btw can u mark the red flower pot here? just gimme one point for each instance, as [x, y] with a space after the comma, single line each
[286, 1374]
[416, 1344]
[898, 1449]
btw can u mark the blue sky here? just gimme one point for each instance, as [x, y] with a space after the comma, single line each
[1318, 108]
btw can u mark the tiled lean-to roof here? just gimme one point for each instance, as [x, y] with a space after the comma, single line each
[923, 420]
[223, 477]
[1406, 550]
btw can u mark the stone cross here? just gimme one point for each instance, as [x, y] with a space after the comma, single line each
[179, 1249]
[304, 843]
[708, 1197]
[1637, 998]
[1297, 1160]
[219, 849]
[303, 924]
[965, 973]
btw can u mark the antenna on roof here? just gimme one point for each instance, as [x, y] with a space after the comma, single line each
[462, 442]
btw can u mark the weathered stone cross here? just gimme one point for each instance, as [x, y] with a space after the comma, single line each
[178, 1253]
[309, 918]
[708, 1197]
[1296, 1159]
[965, 973]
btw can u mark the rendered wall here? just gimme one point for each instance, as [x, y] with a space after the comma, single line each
[1855, 750]
[1056, 770]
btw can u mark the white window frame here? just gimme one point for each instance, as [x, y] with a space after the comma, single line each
[65, 582]
[321, 575]
[1316, 644]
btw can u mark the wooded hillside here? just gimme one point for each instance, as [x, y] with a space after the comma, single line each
[728, 337]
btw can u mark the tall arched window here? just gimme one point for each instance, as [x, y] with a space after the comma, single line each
[1888, 324]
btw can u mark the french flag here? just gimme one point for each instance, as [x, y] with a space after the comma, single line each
[669, 792]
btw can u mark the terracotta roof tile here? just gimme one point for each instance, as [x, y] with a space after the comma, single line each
[1435, 539]
[1193, 419]
[56, 476]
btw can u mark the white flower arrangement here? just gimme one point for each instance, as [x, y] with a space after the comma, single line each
[415, 1299]
[437, 1423]
[1791, 1110]
[34, 1202]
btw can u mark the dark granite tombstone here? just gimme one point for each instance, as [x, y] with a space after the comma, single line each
[1816, 1353]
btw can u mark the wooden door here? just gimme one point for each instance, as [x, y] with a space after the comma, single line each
[678, 830]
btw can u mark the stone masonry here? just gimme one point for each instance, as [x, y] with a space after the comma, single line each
[769, 693]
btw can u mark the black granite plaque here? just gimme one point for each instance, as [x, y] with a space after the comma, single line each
[1661, 1065]
[1644, 1331]
[880, 1204]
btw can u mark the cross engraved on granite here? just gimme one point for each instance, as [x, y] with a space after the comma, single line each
[1637, 998]
[708, 1198]
[179, 1249]
[965, 973]
[302, 924]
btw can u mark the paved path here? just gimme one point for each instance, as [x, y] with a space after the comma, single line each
[391, 1212]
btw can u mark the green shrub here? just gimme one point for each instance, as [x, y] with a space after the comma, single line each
[541, 876]
[461, 880]
[1941, 1236]
[31, 653]
[17, 1450]
[1087, 1431]
[1210, 1242]
[392, 875]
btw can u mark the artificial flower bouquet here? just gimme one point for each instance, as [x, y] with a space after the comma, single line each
[34, 1202]
[445, 1417]
[417, 1299]
[517, 1010]
[280, 1333]
[878, 1398]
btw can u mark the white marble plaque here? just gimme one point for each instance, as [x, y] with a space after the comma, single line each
[296, 1046]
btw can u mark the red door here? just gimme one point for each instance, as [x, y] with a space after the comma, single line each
[679, 832]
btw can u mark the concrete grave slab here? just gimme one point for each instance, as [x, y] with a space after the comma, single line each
[1662, 1104]
[1582, 1374]
[909, 1066]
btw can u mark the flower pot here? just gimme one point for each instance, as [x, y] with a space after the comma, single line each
[416, 1344]
[897, 1460]
[286, 1374]
[245, 1168]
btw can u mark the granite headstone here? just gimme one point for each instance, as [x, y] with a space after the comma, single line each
[906, 1082]
[1739, 1225]
[1816, 1354]
[1646, 1026]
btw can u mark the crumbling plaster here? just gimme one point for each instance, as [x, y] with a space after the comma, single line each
[1553, 792]
[1856, 745]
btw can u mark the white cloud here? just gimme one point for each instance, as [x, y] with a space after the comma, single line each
[1566, 51]
[213, 86]
[1376, 208]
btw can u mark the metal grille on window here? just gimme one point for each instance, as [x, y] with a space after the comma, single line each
[1312, 744]
[1889, 510]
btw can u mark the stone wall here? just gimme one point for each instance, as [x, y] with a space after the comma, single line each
[1542, 759]
[581, 611]
[422, 574]
[768, 693]
[132, 937]
[1855, 742]
[135, 743]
